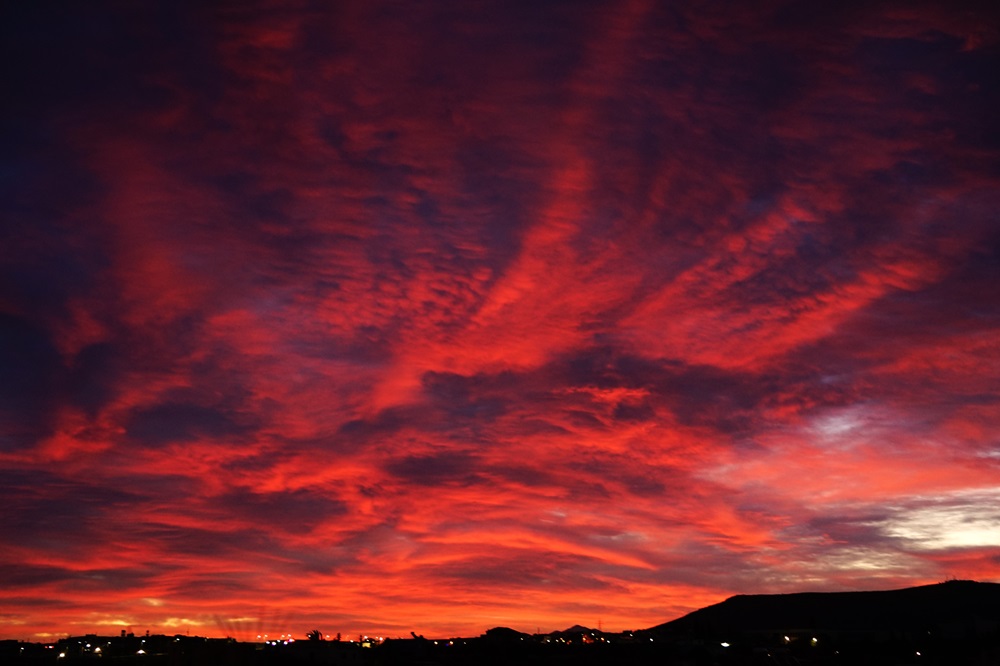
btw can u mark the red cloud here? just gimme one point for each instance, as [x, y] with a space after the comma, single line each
[495, 315]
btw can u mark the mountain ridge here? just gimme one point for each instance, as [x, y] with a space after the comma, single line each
[942, 606]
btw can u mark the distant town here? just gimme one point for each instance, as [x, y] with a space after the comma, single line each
[955, 623]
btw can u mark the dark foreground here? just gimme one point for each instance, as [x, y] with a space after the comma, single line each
[186, 651]
[954, 624]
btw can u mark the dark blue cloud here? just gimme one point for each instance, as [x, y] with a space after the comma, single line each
[45, 508]
[170, 422]
[296, 511]
[95, 376]
[437, 469]
[33, 374]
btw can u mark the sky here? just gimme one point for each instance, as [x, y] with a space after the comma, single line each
[371, 317]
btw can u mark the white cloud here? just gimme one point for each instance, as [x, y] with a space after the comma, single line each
[962, 520]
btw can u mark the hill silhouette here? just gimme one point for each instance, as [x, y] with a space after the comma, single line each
[953, 608]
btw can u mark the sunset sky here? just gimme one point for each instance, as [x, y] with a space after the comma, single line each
[375, 317]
